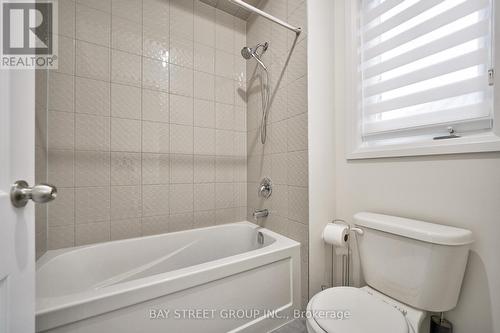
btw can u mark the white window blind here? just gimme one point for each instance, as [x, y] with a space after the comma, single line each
[425, 66]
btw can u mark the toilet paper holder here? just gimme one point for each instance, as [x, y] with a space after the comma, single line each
[346, 259]
[356, 230]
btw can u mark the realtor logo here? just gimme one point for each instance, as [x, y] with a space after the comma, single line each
[28, 34]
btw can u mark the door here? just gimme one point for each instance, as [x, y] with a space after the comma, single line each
[17, 225]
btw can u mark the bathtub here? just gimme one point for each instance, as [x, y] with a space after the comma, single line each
[225, 278]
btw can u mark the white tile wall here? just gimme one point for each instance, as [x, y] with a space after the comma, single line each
[284, 157]
[142, 121]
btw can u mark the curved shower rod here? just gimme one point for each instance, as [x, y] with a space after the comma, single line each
[251, 8]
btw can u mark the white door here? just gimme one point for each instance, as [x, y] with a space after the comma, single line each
[17, 225]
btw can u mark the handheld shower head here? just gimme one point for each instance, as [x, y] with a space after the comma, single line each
[249, 53]
[246, 52]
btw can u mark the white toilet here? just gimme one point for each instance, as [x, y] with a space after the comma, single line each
[410, 267]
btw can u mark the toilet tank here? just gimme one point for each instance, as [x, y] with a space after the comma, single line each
[418, 263]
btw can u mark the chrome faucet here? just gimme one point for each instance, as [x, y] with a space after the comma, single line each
[260, 213]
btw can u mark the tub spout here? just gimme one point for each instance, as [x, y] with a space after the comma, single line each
[260, 214]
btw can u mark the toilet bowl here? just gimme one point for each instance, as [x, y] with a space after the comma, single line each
[410, 267]
[360, 310]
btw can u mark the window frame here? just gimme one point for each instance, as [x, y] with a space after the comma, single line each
[357, 149]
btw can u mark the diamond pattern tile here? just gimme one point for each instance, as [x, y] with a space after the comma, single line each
[144, 121]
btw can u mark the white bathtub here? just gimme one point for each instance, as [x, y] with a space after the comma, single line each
[162, 283]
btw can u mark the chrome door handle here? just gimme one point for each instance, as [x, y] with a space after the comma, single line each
[21, 193]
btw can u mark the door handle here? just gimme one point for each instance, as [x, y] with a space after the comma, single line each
[21, 193]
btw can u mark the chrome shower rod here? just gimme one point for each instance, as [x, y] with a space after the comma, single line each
[251, 8]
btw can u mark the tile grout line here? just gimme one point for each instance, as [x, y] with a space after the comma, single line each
[110, 57]
[74, 127]
[142, 126]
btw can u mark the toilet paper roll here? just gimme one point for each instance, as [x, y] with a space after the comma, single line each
[336, 234]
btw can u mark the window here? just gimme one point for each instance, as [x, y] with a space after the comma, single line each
[423, 77]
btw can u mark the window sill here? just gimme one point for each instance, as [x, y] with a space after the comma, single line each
[489, 142]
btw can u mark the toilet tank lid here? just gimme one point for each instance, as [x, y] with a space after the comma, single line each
[420, 230]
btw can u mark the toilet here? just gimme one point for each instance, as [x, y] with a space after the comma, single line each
[410, 267]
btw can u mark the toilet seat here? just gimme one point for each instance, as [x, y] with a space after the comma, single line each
[368, 314]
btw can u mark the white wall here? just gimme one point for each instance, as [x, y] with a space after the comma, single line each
[459, 190]
[321, 137]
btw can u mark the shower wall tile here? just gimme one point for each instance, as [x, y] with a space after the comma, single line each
[224, 31]
[181, 139]
[92, 204]
[297, 97]
[181, 169]
[125, 202]
[125, 68]
[204, 141]
[155, 74]
[92, 233]
[204, 197]
[204, 58]
[155, 137]
[182, 19]
[126, 35]
[204, 86]
[224, 116]
[224, 90]
[125, 168]
[224, 143]
[204, 169]
[66, 18]
[224, 64]
[125, 101]
[60, 237]
[204, 219]
[155, 12]
[154, 225]
[125, 135]
[156, 41]
[155, 200]
[240, 32]
[60, 130]
[92, 132]
[204, 23]
[178, 222]
[284, 157]
[181, 80]
[92, 61]
[182, 52]
[41, 165]
[61, 92]
[60, 167]
[92, 97]
[182, 110]
[155, 168]
[181, 199]
[144, 123]
[127, 9]
[93, 26]
[204, 113]
[224, 170]
[92, 168]
[66, 59]
[103, 5]
[61, 212]
[155, 106]
[122, 229]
